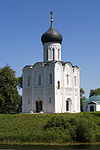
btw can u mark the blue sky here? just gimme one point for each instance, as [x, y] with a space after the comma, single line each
[22, 22]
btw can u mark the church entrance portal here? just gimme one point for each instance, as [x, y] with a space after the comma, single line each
[38, 106]
[68, 104]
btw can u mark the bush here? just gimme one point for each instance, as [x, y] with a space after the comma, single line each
[61, 128]
[86, 130]
[74, 129]
[57, 122]
[57, 135]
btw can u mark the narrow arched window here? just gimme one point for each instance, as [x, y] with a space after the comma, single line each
[44, 54]
[47, 54]
[53, 53]
[75, 80]
[28, 100]
[50, 78]
[67, 79]
[58, 85]
[39, 79]
[49, 99]
[28, 83]
[58, 54]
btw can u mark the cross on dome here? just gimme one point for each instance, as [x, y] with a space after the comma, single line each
[51, 35]
[51, 13]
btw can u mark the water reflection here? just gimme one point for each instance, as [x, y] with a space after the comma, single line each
[30, 147]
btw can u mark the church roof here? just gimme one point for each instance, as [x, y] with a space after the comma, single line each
[49, 62]
[51, 35]
[95, 99]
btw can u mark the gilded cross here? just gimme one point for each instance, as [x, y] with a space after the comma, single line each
[51, 16]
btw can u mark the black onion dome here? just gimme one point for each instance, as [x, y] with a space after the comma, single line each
[51, 36]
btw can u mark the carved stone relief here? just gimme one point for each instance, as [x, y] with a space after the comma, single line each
[68, 91]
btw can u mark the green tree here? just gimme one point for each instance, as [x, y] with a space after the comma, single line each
[20, 81]
[94, 92]
[82, 97]
[10, 100]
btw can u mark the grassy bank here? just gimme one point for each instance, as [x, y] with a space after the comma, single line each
[50, 128]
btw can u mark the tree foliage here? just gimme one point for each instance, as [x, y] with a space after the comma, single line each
[19, 80]
[94, 92]
[10, 100]
[82, 97]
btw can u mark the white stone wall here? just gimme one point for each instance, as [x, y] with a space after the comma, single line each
[76, 103]
[69, 88]
[53, 99]
[27, 90]
[68, 91]
[46, 90]
[38, 92]
[58, 92]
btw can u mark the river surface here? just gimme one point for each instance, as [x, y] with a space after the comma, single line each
[30, 147]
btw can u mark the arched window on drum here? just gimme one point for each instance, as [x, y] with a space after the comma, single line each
[67, 79]
[28, 83]
[75, 82]
[50, 78]
[39, 79]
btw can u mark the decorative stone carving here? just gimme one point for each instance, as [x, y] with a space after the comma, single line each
[68, 91]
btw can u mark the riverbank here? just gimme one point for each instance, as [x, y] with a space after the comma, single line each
[48, 144]
[51, 146]
[50, 129]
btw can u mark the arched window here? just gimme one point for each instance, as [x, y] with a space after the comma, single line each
[44, 54]
[28, 81]
[53, 53]
[58, 54]
[47, 54]
[50, 78]
[75, 80]
[49, 99]
[58, 85]
[28, 100]
[67, 79]
[39, 79]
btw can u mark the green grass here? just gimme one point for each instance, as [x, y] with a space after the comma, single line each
[50, 128]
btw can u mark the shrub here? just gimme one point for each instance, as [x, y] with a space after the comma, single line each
[86, 130]
[61, 128]
[57, 135]
[57, 122]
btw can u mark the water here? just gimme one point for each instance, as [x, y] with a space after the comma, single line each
[30, 147]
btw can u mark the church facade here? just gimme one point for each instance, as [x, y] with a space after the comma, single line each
[51, 86]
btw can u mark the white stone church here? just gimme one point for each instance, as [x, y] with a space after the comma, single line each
[51, 86]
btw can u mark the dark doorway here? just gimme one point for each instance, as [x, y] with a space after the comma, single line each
[67, 106]
[38, 106]
[91, 108]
